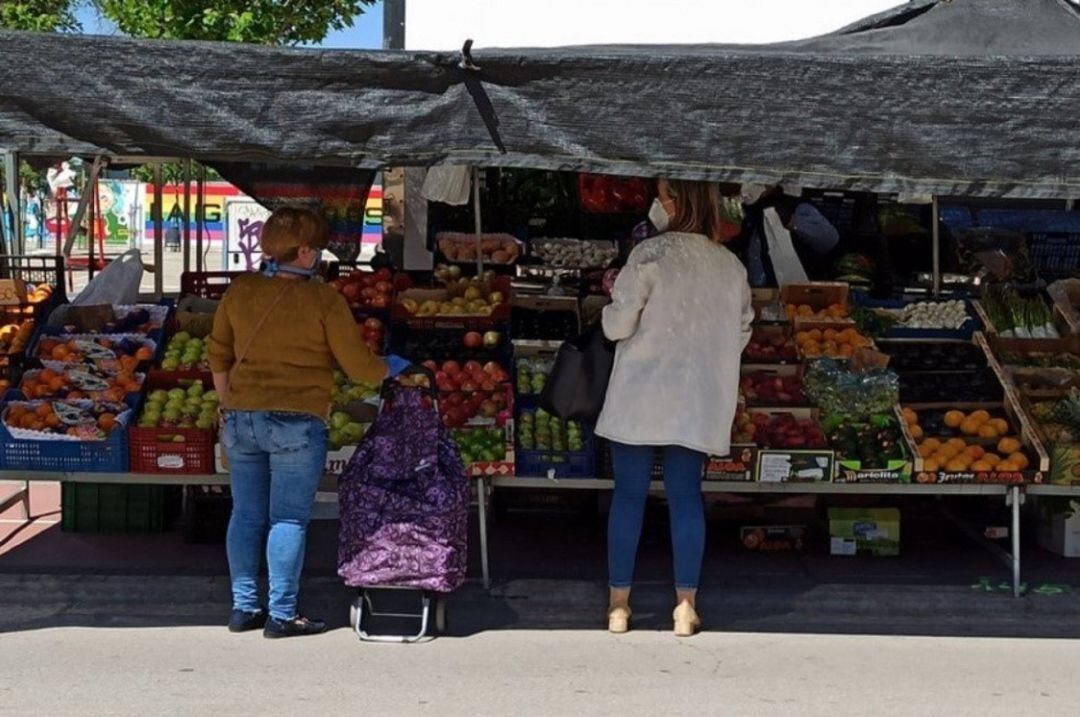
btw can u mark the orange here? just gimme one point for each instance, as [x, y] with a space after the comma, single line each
[910, 417]
[987, 431]
[52, 420]
[1020, 460]
[847, 351]
[60, 352]
[106, 421]
[958, 443]
[16, 411]
[932, 442]
[1008, 446]
[980, 417]
[128, 363]
[953, 419]
[926, 450]
[969, 427]
[992, 458]
[47, 375]
[975, 452]
[1000, 425]
[931, 465]
[815, 334]
[946, 452]
[956, 465]
[27, 420]
[57, 383]
[1007, 466]
[981, 466]
[144, 354]
[43, 409]
[916, 431]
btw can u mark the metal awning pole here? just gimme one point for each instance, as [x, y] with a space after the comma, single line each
[200, 212]
[936, 244]
[14, 201]
[477, 216]
[159, 247]
[80, 209]
[187, 215]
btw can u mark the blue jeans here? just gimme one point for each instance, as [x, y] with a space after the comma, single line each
[276, 460]
[682, 486]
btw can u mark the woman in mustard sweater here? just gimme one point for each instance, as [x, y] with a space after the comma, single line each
[275, 340]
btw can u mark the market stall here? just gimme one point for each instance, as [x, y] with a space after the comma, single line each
[848, 387]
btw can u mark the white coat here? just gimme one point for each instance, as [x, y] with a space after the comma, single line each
[681, 313]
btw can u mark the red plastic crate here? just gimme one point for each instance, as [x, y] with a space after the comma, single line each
[157, 450]
[164, 449]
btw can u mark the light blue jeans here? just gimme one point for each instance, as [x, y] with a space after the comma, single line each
[276, 460]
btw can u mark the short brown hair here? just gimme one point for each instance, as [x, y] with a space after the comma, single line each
[289, 228]
[697, 208]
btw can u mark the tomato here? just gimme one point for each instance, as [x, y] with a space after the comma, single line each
[351, 292]
[451, 367]
[471, 367]
[384, 287]
[384, 274]
[368, 280]
[380, 301]
[373, 323]
[368, 292]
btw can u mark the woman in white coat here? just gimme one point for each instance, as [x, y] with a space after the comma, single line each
[681, 314]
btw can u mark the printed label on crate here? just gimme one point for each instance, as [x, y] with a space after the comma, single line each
[771, 538]
[170, 462]
[853, 472]
[93, 350]
[991, 477]
[795, 466]
[86, 381]
[739, 466]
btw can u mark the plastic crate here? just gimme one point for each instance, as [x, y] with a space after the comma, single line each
[36, 270]
[118, 508]
[108, 456]
[537, 464]
[207, 284]
[156, 450]
[207, 510]
[1055, 255]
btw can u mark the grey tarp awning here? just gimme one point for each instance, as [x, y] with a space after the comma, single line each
[961, 97]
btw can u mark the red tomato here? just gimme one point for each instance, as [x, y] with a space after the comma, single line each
[472, 367]
[373, 323]
[380, 301]
[384, 287]
[451, 367]
[368, 279]
[384, 274]
[351, 292]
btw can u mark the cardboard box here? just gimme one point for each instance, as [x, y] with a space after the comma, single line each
[818, 296]
[1060, 533]
[772, 538]
[791, 466]
[738, 466]
[864, 531]
[12, 292]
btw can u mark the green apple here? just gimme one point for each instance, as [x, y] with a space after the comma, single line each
[211, 396]
[170, 364]
[171, 414]
[159, 395]
[178, 393]
[339, 420]
[154, 405]
[181, 337]
[196, 390]
[204, 422]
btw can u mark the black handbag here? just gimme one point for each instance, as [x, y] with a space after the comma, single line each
[579, 379]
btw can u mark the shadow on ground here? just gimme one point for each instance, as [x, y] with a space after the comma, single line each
[548, 569]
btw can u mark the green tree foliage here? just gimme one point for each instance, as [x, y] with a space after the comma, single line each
[37, 15]
[264, 22]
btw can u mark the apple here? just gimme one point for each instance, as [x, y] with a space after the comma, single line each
[472, 367]
[451, 367]
[380, 301]
[468, 386]
[433, 367]
[473, 340]
[373, 323]
[492, 339]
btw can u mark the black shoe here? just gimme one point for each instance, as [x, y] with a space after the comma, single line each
[241, 621]
[293, 628]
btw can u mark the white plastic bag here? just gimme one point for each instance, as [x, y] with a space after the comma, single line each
[447, 184]
[117, 284]
[785, 262]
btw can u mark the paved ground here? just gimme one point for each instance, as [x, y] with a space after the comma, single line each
[132, 625]
[202, 670]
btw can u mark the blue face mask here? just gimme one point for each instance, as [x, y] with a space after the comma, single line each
[273, 268]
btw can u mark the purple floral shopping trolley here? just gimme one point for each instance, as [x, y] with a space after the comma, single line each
[404, 500]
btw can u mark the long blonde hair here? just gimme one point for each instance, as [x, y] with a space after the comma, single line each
[697, 208]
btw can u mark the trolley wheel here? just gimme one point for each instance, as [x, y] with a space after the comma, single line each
[440, 616]
[354, 613]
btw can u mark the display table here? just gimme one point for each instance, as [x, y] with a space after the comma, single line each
[1013, 495]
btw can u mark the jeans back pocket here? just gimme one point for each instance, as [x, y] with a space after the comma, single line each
[289, 431]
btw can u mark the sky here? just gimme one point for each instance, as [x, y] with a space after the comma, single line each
[366, 33]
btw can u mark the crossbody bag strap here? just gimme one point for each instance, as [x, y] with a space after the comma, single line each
[255, 332]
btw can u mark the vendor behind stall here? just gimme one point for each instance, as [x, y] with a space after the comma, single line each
[785, 240]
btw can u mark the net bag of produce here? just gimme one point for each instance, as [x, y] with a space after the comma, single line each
[404, 500]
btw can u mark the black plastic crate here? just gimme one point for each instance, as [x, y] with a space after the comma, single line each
[118, 507]
[207, 510]
[36, 270]
[1054, 254]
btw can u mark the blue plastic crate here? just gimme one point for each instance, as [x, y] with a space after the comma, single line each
[964, 333]
[108, 456]
[565, 464]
